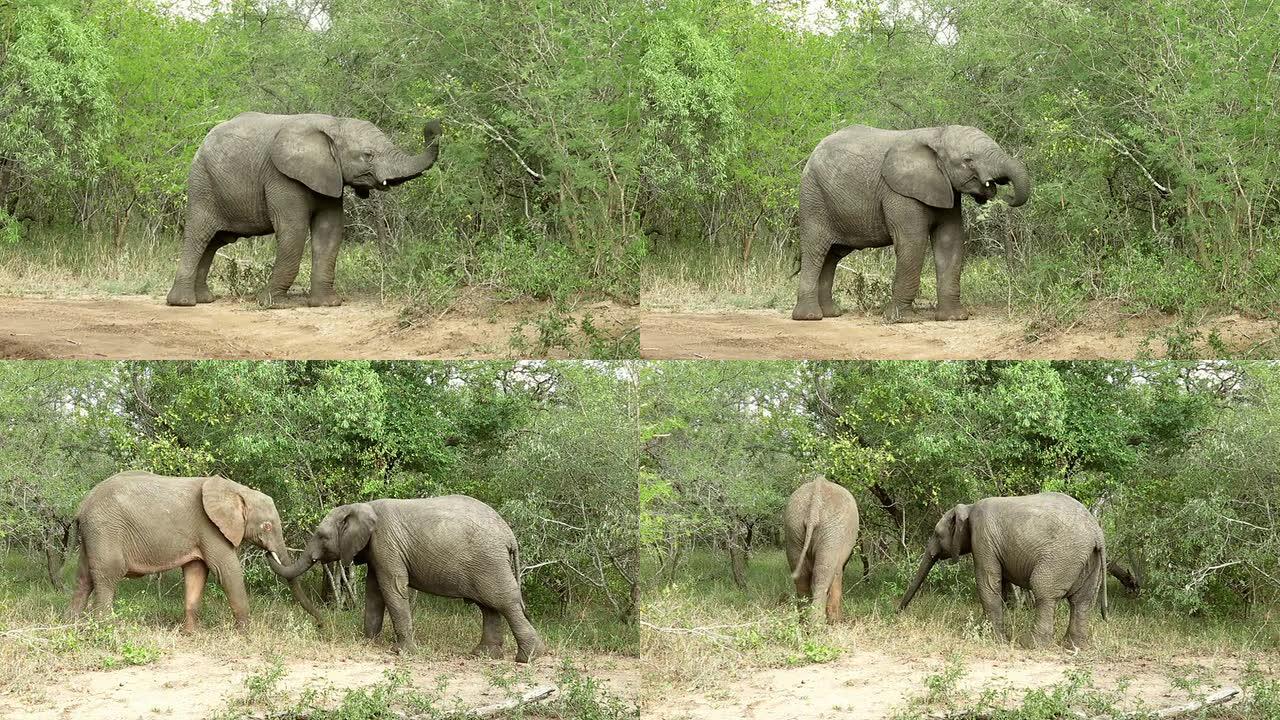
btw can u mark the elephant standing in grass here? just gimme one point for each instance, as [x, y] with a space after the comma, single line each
[136, 523]
[820, 526]
[863, 187]
[256, 174]
[1047, 543]
[453, 546]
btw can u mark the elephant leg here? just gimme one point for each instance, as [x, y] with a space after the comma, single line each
[231, 577]
[84, 586]
[948, 259]
[1006, 591]
[528, 643]
[104, 592]
[196, 236]
[219, 241]
[804, 582]
[375, 608]
[1046, 609]
[823, 578]
[292, 227]
[835, 598]
[326, 237]
[1081, 605]
[989, 578]
[910, 232]
[491, 633]
[194, 574]
[395, 593]
[827, 278]
[815, 247]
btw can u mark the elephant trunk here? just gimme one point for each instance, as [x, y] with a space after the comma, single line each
[922, 571]
[1016, 172]
[404, 167]
[290, 571]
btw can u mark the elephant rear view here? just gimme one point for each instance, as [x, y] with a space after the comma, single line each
[820, 525]
[453, 546]
[863, 187]
[256, 174]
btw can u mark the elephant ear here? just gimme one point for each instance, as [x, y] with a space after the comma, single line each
[307, 154]
[911, 168]
[355, 531]
[224, 506]
[959, 528]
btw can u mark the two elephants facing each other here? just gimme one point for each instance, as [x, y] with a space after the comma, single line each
[137, 523]
[256, 174]
[863, 187]
[453, 546]
[1047, 543]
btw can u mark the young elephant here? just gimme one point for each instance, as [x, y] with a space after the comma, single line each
[1047, 543]
[820, 524]
[136, 523]
[452, 546]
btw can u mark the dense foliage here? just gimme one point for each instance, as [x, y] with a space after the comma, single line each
[551, 446]
[1179, 459]
[1151, 129]
[105, 103]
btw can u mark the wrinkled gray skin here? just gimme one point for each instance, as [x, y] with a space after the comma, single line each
[863, 187]
[256, 174]
[136, 523]
[1046, 543]
[820, 526]
[453, 546]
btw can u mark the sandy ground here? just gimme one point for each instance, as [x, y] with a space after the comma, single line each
[869, 685]
[143, 327]
[192, 685]
[1102, 333]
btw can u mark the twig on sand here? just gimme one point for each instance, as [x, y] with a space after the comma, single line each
[1218, 697]
[23, 631]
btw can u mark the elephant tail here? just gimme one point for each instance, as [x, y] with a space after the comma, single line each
[808, 532]
[1101, 549]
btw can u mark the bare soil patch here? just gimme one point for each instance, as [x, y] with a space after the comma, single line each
[872, 685]
[990, 333]
[130, 327]
[191, 683]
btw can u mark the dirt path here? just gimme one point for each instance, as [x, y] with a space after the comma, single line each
[869, 685]
[1102, 333]
[191, 684]
[143, 327]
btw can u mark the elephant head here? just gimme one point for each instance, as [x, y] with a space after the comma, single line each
[955, 159]
[341, 535]
[244, 514]
[950, 539]
[326, 153]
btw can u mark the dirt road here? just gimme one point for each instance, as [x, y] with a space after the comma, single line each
[870, 685]
[192, 684]
[1101, 333]
[143, 327]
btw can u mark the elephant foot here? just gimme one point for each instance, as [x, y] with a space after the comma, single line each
[181, 297]
[950, 313]
[489, 651]
[188, 627]
[524, 655]
[806, 311]
[404, 647]
[329, 299]
[271, 298]
[831, 311]
[897, 313]
[1035, 643]
[1075, 643]
[204, 295]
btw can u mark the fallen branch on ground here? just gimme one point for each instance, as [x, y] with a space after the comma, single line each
[1222, 695]
[22, 631]
[531, 697]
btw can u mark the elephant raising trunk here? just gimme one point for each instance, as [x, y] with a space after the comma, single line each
[922, 571]
[402, 167]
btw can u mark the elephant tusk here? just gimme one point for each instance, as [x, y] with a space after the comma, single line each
[276, 557]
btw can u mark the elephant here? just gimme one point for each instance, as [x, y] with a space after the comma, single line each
[256, 174]
[136, 523]
[1047, 543]
[863, 187]
[820, 527]
[452, 546]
